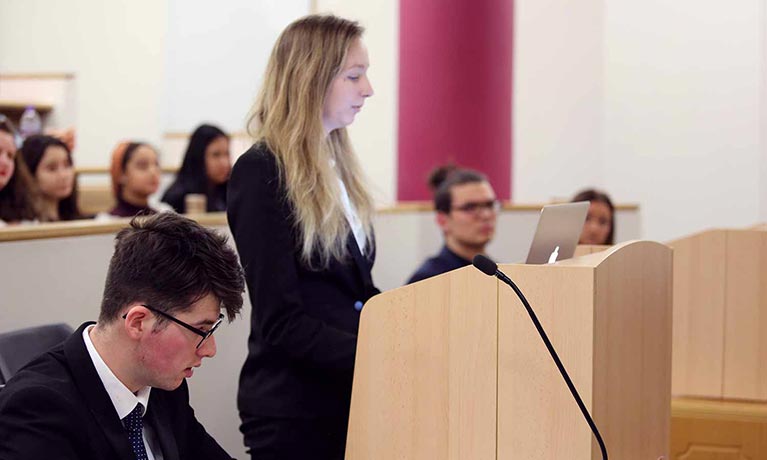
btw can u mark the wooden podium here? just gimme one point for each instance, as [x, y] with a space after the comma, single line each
[720, 315]
[452, 367]
[719, 365]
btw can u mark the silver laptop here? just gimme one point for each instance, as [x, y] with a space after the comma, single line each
[558, 231]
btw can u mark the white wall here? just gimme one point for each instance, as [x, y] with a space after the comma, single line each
[216, 55]
[683, 113]
[660, 103]
[557, 98]
[115, 49]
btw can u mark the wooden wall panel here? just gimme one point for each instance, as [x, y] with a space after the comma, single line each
[430, 347]
[698, 318]
[745, 350]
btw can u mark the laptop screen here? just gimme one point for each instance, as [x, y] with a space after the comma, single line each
[558, 231]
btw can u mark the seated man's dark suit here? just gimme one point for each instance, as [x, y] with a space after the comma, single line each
[443, 262]
[57, 408]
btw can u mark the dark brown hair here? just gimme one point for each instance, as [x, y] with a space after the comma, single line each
[443, 179]
[193, 175]
[595, 195]
[19, 197]
[170, 262]
[33, 150]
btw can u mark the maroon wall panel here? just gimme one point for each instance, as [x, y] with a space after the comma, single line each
[455, 84]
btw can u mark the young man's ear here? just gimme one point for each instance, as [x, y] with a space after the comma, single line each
[135, 321]
[442, 220]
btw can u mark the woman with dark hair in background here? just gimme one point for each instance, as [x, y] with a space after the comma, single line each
[301, 216]
[18, 193]
[50, 163]
[205, 170]
[599, 227]
[135, 172]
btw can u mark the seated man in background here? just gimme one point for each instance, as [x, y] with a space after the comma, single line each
[117, 388]
[466, 212]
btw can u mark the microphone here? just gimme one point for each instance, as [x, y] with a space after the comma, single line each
[490, 268]
[485, 265]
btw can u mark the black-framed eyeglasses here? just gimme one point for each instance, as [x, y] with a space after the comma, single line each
[204, 334]
[478, 206]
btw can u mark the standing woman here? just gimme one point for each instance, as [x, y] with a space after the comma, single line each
[301, 219]
[205, 170]
[50, 163]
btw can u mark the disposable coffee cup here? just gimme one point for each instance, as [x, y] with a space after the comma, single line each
[195, 203]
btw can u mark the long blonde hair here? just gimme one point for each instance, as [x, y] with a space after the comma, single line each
[287, 116]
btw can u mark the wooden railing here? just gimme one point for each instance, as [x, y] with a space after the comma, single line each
[100, 227]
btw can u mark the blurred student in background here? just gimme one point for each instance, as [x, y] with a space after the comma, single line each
[600, 221]
[466, 209]
[18, 194]
[205, 170]
[135, 172]
[50, 163]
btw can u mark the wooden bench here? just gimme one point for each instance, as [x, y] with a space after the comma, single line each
[703, 429]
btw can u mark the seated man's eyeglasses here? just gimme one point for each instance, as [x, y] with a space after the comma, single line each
[477, 207]
[204, 334]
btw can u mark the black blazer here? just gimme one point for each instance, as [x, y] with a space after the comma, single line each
[57, 407]
[304, 323]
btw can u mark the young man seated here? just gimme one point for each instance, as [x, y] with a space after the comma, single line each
[466, 212]
[116, 389]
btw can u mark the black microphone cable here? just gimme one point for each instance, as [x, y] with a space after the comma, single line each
[488, 267]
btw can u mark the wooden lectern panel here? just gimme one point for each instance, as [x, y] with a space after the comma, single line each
[610, 321]
[632, 360]
[699, 306]
[720, 315]
[537, 417]
[586, 249]
[426, 371]
[452, 368]
[745, 351]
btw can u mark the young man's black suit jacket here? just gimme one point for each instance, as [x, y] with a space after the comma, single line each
[304, 322]
[57, 408]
